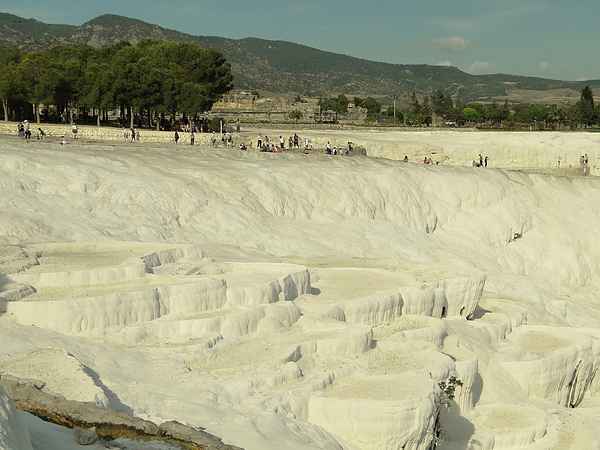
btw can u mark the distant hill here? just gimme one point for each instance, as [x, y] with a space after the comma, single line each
[287, 68]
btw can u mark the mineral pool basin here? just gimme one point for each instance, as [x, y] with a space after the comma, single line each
[381, 387]
[335, 284]
[397, 357]
[279, 348]
[133, 285]
[405, 322]
[512, 425]
[59, 259]
[239, 275]
[332, 284]
[67, 257]
[537, 342]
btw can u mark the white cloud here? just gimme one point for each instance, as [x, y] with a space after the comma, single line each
[482, 67]
[490, 17]
[444, 63]
[545, 66]
[454, 44]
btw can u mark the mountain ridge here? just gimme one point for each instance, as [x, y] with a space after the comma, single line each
[285, 67]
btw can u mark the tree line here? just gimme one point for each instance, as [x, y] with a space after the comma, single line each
[582, 114]
[420, 111]
[152, 79]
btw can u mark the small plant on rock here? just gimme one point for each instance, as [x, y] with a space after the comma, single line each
[445, 397]
[448, 388]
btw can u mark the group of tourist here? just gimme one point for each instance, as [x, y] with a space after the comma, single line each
[24, 131]
[583, 162]
[262, 144]
[226, 138]
[132, 134]
[266, 145]
[338, 151]
[483, 162]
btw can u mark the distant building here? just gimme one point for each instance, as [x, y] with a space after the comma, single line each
[249, 107]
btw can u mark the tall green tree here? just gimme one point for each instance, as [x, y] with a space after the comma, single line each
[372, 105]
[442, 105]
[524, 113]
[420, 112]
[413, 112]
[131, 83]
[41, 80]
[555, 114]
[338, 104]
[586, 106]
[96, 88]
[10, 78]
[169, 77]
[471, 114]
[70, 63]
[205, 75]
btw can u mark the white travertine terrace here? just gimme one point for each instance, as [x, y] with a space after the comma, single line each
[304, 301]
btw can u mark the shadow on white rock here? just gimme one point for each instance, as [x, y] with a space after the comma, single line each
[13, 432]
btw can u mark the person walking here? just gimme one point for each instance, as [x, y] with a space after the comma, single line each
[27, 132]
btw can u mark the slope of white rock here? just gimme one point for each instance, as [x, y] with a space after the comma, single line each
[306, 301]
[14, 434]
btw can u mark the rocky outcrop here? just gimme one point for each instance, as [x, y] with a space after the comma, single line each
[107, 424]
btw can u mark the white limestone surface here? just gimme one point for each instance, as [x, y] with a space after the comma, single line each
[306, 301]
[60, 373]
[14, 434]
[378, 411]
[502, 426]
[557, 365]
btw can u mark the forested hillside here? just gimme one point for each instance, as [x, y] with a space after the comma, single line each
[286, 67]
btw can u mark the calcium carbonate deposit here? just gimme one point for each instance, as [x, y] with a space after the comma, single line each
[306, 301]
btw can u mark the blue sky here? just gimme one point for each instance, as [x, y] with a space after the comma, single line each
[555, 39]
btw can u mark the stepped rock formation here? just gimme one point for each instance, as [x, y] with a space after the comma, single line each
[305, 301]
